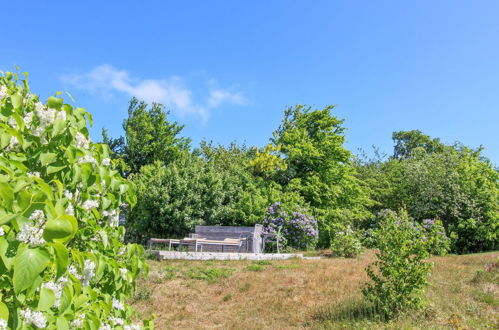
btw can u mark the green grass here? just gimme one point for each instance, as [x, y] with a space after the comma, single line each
[209, 274]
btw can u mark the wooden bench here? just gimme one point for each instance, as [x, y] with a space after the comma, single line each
[168, 241]
[247, 239]
[251, 237]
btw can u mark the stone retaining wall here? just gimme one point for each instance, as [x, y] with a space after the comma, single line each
[227, 256]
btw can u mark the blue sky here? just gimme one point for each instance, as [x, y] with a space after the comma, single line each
[227, 69]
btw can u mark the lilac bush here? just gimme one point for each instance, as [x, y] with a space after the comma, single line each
[294, 229]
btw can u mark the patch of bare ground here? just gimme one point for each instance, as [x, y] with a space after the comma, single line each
[293, 294]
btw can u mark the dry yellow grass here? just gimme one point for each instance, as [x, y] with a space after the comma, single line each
[296, 294]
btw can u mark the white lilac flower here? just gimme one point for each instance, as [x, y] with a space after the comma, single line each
[33, 174]
[70, 210]
[123, 272]
[3, 325]
[118, 304]
[121, 251]
[73, 271]
[47, 116]
[28, 118]
[105, 326]
[61, 115]
[33, 234]
[13, 143]
[106, 161]
[37, 216]
[82, 141]
[12, 122]
[33, 317]
[3, 92]
[68, 194]
[90, 204]
[2, 232]
[39, 107]
[116, 320]
[78, 321]
[87, 159]
[113, 217]
[88, 272]
[57, 289]
[132, 327]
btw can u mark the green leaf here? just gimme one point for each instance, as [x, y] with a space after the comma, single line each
[62, 323]
[62, 258]
[58, 166]
[7, 194]
[54, 102]
[60, 227]
[47, 158]
[6, 218]
[28, 264]
[17, 101]
[47, 299]
[66, 298]
[4, 311]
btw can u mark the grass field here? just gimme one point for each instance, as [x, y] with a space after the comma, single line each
[317, 294]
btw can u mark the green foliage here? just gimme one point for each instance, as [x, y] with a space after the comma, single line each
[267, 162]
[345, 241]
[209, 274]
[212, 186]
[149, 137]
[400, 274]
[456, 185]
[318, 166]
[62, 261]
[255, 267]
[409, 143]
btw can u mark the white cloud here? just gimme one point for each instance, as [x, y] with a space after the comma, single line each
[172, 92]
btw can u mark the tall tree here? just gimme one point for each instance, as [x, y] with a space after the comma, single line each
[318, 165]
[149, 137]
[409, 142]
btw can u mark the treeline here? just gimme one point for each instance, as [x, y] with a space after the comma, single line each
[305, 168]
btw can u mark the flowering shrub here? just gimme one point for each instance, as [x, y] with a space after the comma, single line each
[295, 230]
[345, 241]
[62, 261]
[430, 231]
[400, 273]
[433, 232]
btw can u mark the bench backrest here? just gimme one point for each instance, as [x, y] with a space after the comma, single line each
[253, 235]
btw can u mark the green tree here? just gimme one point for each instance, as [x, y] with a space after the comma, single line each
[456, 184]
[319, 166]
[149, 137]
[408, 142]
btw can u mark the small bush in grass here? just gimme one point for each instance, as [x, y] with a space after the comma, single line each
[208, 274]
[345, 241]
[262, 262]
[400, 274]
[255, 267]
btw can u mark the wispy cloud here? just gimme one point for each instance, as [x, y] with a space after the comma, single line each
[105, 80]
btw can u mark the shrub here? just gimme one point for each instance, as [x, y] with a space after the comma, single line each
[400, 273]
[437, 241]
[345, 241]
[62, 261]
[295, 230]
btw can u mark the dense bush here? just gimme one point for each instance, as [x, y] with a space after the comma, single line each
[400, 273]
[451, 183]
[62, 261]
[345, 241]
[292, 229]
